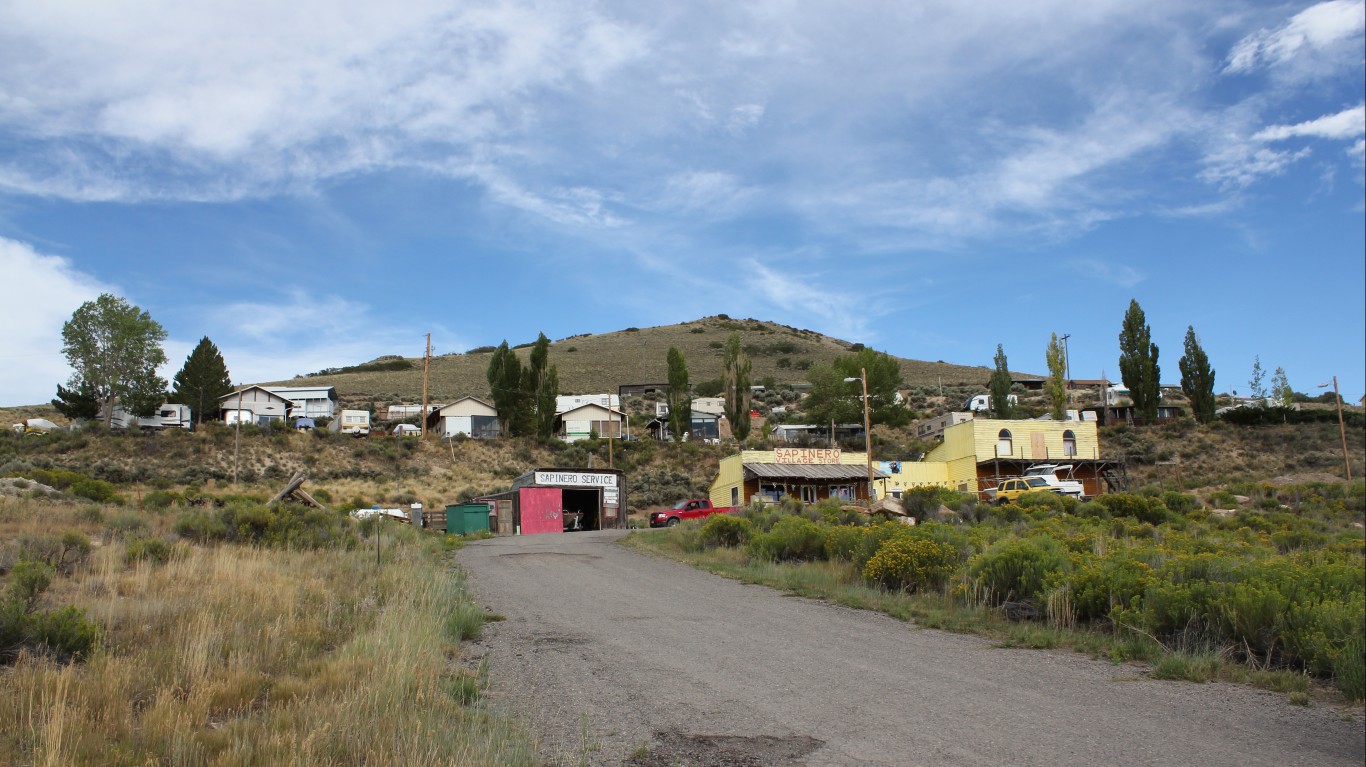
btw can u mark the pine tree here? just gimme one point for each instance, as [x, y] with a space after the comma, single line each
[203, 380]
[679, 397]
[999, 386]
[1138, 363]
[77, 402]
[1197, 378]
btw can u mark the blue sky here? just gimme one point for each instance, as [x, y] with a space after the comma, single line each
[314, 184]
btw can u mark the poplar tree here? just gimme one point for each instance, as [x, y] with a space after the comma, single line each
[1197, 378]
[541, 385]
[678, 398]
[509, 398]
[1057, 378]
[999, 386]
[203, 380]
[1138, 363]
[737, 391]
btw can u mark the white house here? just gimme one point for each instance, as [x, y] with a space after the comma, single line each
[586, 420]
[470, 416]
[254, 404]
[567, 402]
[308, 401]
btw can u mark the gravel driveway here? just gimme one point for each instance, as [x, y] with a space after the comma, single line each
[614, 657]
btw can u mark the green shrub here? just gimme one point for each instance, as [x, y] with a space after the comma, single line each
[91, 515]
[842, 542]
[96, 490]
[726, 530]
[126, 525]
[160, 499]
[912, 564]
[1018, 570]
[791, 539]
[1141, 507]
[27, 582]
[200, 526]
[153, 550]
[66, 633]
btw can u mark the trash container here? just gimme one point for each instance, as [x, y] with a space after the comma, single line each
[466, 518]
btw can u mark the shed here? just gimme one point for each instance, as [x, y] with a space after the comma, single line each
[554, 500]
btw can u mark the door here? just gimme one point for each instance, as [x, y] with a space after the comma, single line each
[542, 510]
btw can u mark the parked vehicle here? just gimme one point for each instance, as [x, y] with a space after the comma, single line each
[692, 508]
[1065, 485]
[355, 422]
[167, 416]
[1011, 489]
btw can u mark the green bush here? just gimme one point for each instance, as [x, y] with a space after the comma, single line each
[1141, 507]
[726, 530]
[791, 539]
[912, 564]
[28, 581]
[96, 490]
[160, 499]
[126, 525]
[153, 550]
[66, 633]
[842, 542]
[1019, 570]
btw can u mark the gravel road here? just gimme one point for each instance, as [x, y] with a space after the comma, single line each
[614, 657]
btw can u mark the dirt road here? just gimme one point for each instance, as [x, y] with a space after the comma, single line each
[619, 658]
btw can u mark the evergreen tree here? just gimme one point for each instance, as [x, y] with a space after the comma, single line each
[203, 380]
[115, 348]
[679, 398]
[737, 390]
[509, 398]
[999, 386]
[1197, 378]
[77, 402]
[1057, 379]
[1138, 363]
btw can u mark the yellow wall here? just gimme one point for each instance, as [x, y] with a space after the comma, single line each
[977, 438]
[913, 475]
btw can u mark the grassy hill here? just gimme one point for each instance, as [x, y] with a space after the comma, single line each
[601, 362]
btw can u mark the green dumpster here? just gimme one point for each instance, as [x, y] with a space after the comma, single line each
[466, 518]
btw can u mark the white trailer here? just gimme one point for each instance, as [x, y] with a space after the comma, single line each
[355, 422]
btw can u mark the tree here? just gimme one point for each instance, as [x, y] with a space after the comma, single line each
[77, 402]
[679, 398]
[115, 348]
[999, 386]
[737, 393]
[1138, 363]
[541, 386]
[1256, 386]
[1057, 378]
[203, 380]
[509, 398]
[832, 398]
[1280, 389]
[1197, 378]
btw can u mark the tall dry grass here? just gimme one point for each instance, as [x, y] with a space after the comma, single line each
[241, 656]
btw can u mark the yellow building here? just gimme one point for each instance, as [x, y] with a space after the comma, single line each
[907, 475]
[810, 474]
[981, 452]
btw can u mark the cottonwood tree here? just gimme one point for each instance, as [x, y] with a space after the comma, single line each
[115, 349]
[679, 398]
[1256, 386]
[736, 391]
[541, 386]
[999, 386]
[203, 380]
[832, 398]
[1197, 378]
[506, 389]
[1280, 389]
[1138, 363]
[1056, 385]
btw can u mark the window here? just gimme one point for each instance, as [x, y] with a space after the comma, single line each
[808, 494]
[735, 496]
[845, 492]
[1003, 443]
[1069, 444]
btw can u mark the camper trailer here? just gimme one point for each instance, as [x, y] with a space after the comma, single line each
[166, 416]
[355, 422]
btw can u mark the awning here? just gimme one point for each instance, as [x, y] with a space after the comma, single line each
[810, 471]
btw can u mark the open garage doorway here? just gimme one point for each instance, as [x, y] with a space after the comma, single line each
[587, 503]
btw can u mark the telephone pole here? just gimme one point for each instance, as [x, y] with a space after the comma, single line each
[426, 367]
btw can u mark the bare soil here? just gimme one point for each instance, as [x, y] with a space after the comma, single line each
[613, 657]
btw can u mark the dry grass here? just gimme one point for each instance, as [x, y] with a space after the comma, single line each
[237, 656]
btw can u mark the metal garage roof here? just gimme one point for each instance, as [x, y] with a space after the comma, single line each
[810, 471]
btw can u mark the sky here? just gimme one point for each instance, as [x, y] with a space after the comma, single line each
[317, 183]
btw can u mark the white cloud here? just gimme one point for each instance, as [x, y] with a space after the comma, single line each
[41, 293]
[1326, 30]
[1122, 275]
[1347, 124]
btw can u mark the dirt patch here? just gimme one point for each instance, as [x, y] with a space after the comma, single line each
[16, 486]
[681, 749]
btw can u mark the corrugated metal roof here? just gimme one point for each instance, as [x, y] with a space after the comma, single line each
[810, 471]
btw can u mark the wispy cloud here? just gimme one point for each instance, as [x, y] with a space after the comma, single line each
[1300, 45]
[1347, 124]
[1122, 275]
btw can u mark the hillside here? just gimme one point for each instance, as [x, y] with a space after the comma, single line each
[601, 362]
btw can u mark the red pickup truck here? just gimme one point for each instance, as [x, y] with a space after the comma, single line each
[693, 508]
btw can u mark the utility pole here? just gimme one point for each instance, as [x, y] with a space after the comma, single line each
[426, 367]
[1342, 428]
[1067, 363]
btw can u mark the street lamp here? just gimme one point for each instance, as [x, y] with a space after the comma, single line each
[1342, 427]
[868, 432]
